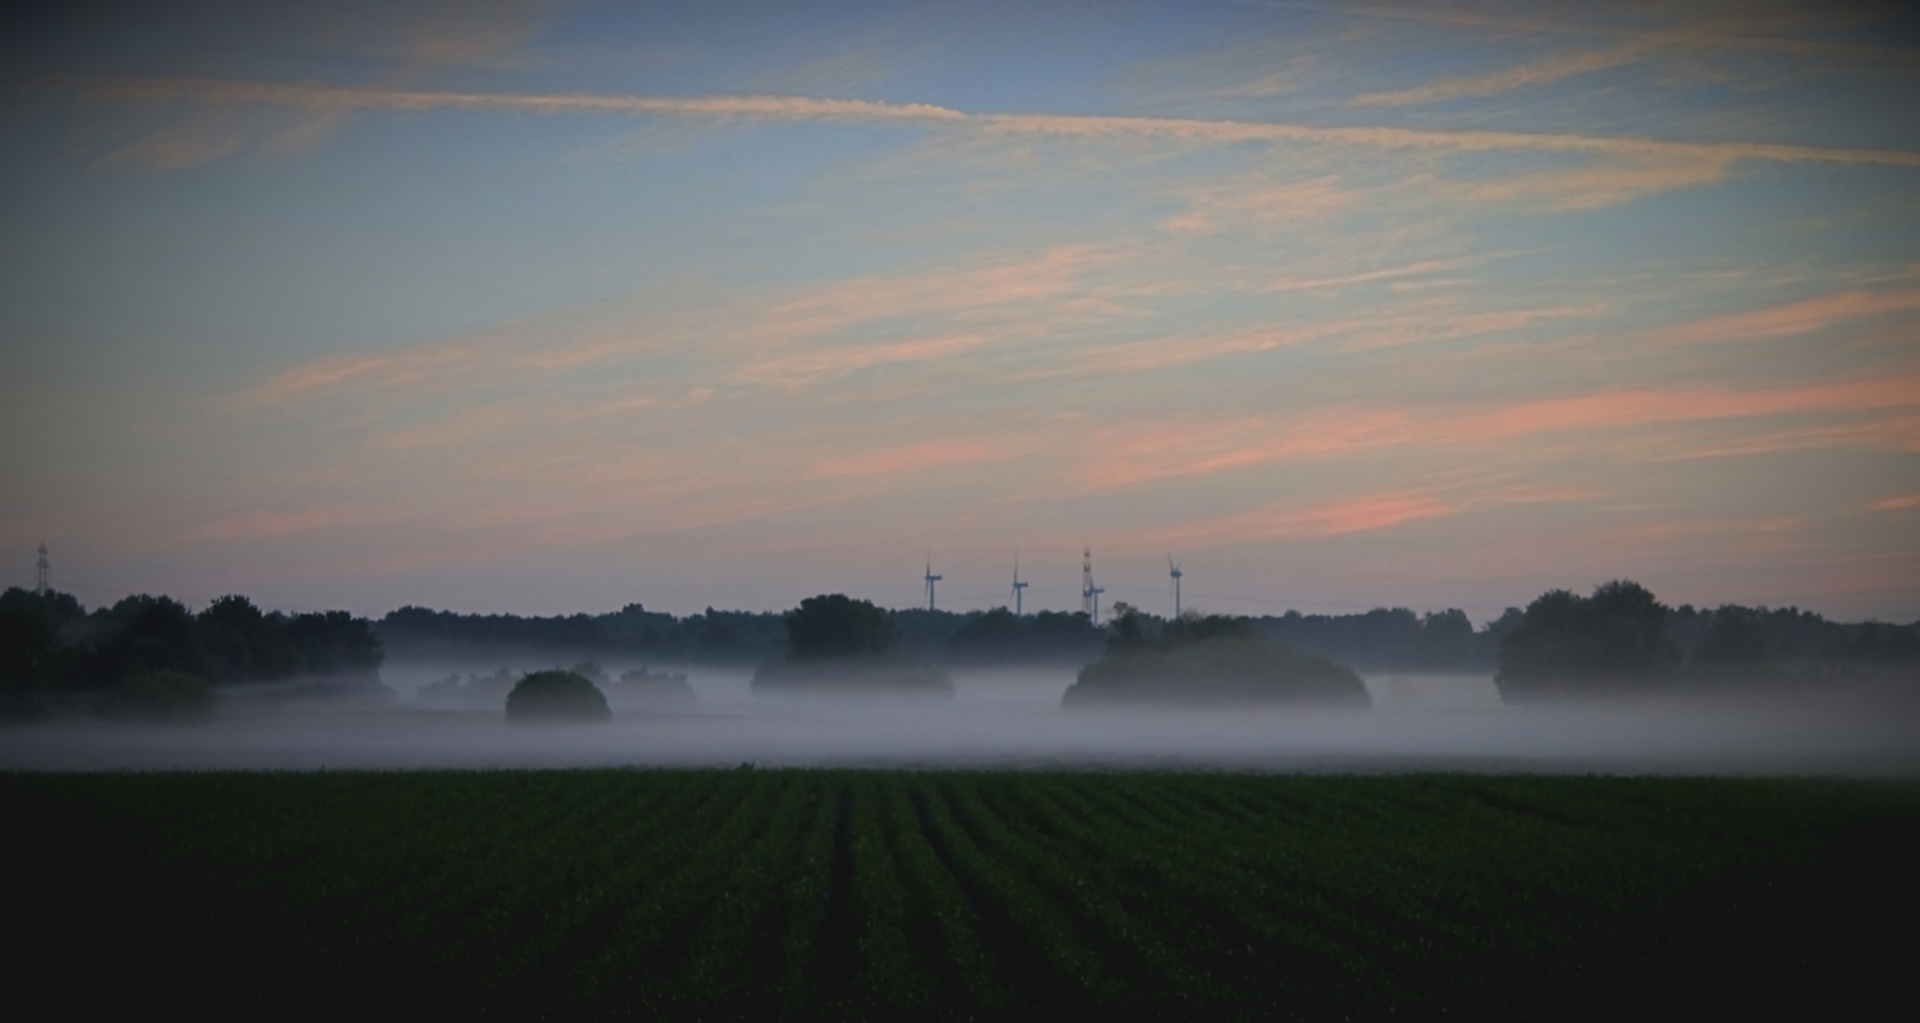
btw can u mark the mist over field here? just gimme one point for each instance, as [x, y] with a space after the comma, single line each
[837, 510]
[1013, 718]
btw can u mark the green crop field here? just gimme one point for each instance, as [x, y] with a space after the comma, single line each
[758, 894]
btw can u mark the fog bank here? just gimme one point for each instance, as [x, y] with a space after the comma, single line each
[1010, 719]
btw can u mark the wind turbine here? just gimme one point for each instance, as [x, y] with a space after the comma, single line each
[1173, 569]
[931, 579]
[1017, 587]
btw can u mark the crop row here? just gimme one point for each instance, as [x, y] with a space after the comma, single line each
[944, 895]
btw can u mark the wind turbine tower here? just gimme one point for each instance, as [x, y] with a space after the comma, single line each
[1017, 587]
[42, 573]
[1173, 569]
[931, 579]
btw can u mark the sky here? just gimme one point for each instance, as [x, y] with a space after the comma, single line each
[554, 307]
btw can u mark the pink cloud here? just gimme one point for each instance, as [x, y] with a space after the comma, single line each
[1259, 202]
[1802, 317]
[1420, 269]
[994, 282]
[1363, 514]
[1901, 503]
[802, 366]
[265, 524]
[1891, 433]
[1651, 405]
[1171, 450]
[916, 457]
[1551, 69]
[1592, 187]
[1163, 451]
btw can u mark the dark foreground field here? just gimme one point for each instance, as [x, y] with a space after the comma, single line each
[911, 895]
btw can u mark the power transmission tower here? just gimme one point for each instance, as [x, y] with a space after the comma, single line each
[1089, 593]
[42, 574]
[1086, 581]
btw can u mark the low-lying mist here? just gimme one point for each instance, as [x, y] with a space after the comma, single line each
[1006, 719]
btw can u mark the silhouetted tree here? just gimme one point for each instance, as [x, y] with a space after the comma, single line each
[836, 643]
[1737, 639]
[334, 643]
[42, 651]
[244, 645]
[1126, 632]
[835, 626]
[1610, 642]
[1191, 628]
[1001, 636]
[143, 633]
[1446, 639]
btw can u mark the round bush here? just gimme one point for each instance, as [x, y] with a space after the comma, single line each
[1218, 671]
[556, 696]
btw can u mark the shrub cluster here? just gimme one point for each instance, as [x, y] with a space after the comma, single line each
[1210, 660]
[556, 696]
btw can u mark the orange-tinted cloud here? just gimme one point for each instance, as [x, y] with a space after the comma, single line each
[1901, 503]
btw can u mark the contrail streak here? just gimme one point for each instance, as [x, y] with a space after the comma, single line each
[800, 108]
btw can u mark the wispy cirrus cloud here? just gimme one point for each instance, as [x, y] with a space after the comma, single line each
[1244, 202]
[1637, 406]
[1904, 502]
[1805, 316]
[1365, 513]
[917, 458]
[1174, 450]
[1711, 35]
[797, 108]
[1592, 186]
[1541, 72]
[1423, 268]
[266, 524]
[1874, 431]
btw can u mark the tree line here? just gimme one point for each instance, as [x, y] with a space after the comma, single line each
[1621, 640]
[1381, 639]
[1618, 637]
[54, 651]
